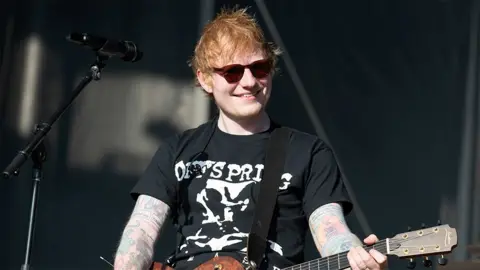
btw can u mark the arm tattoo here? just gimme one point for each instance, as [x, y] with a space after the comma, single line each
[330, 231]
[135, 250]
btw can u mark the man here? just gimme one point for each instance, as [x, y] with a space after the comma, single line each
[204, 178]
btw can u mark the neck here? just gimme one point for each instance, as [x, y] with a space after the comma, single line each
[247, 126]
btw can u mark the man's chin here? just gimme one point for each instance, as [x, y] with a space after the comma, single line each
[247, 113]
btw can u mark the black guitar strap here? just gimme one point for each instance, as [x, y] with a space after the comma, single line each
[266, 199]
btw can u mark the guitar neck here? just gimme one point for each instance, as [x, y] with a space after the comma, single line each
[337, 261]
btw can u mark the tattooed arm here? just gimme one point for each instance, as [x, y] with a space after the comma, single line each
[140, 234]
[330, 231]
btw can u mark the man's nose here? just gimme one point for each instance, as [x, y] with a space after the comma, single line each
[248, 80]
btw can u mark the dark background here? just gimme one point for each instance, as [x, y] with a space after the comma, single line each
[393, 84]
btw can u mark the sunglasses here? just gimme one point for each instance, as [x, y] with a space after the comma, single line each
[234, 73]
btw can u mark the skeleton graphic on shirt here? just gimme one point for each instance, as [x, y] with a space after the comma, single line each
[226, 187]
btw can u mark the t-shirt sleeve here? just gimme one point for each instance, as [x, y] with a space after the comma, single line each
[324, 183]
[158, 180]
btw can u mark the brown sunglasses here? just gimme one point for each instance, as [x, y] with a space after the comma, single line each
[234, 73]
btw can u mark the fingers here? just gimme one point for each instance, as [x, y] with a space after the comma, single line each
[360, 259]
[371, 239]
[352, 260]
[379, 257]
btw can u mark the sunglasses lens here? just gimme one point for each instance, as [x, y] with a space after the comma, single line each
[234, 74]
[261, 69]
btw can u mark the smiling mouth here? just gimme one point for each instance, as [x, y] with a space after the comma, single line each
[249, 95]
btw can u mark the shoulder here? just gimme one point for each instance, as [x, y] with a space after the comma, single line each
[306, 140]
[196, 132]
[192, 136]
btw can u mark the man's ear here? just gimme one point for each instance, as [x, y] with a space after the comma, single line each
[205, 81]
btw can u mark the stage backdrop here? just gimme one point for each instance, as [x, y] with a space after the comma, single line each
[387, 81]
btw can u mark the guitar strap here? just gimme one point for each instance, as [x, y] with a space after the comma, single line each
[267, 197]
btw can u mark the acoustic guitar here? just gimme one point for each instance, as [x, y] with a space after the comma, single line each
[438, 240]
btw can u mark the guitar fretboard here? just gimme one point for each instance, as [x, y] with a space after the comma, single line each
[337, 261]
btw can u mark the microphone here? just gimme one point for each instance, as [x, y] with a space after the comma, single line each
[126, 50]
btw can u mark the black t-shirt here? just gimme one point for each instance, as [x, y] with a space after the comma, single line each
[215, 174]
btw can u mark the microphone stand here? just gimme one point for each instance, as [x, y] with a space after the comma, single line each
[35, 149]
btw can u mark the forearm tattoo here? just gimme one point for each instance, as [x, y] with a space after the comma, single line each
[135, 250]
[330, 231]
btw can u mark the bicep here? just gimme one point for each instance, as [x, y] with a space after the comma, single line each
[324, 184]
[150, 215]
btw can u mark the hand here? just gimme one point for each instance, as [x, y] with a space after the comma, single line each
[360, 259]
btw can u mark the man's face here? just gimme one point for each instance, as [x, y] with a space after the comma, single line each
[241, 92]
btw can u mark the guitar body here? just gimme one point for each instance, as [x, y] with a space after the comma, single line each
[217, 263]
